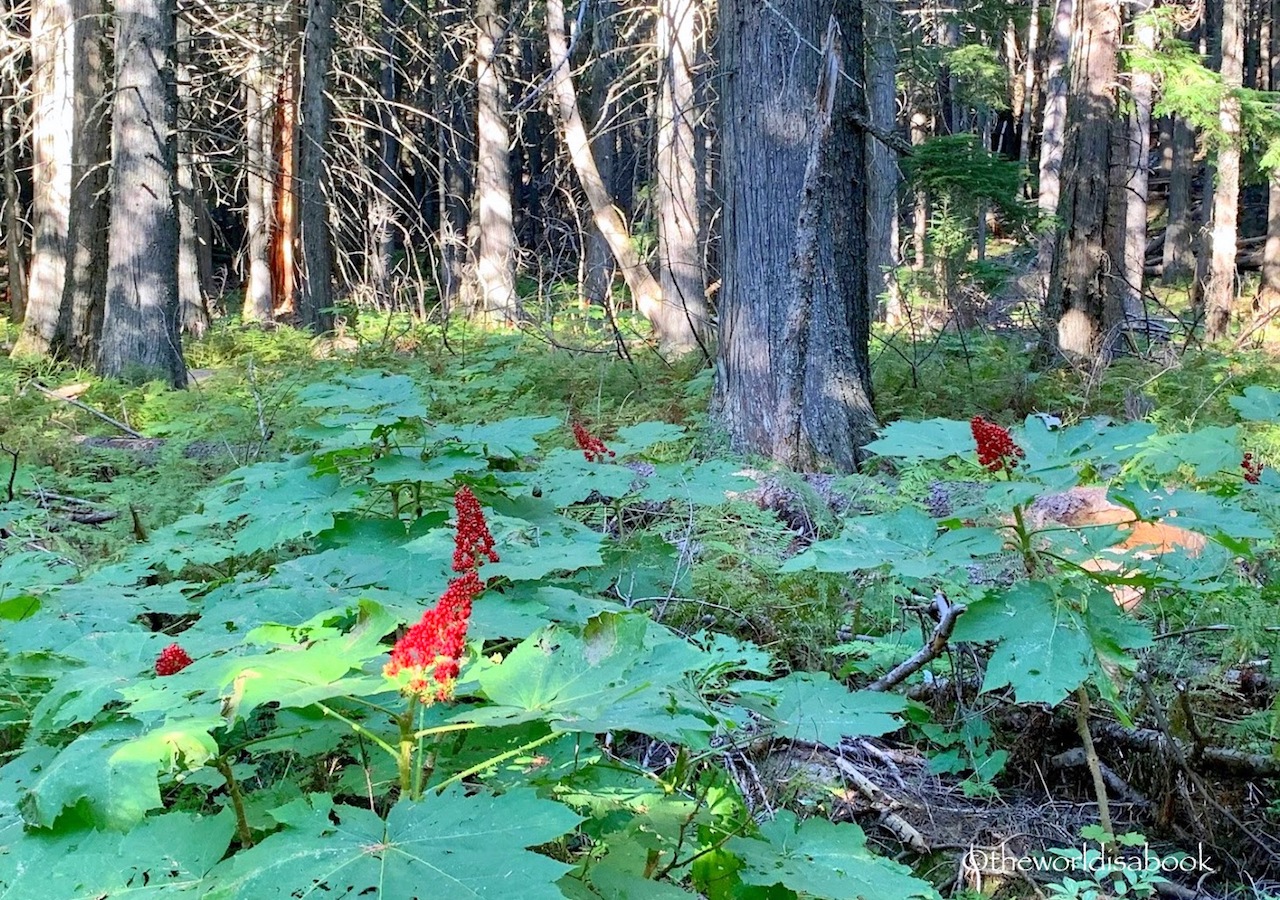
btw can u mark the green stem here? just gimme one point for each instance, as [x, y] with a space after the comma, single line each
[501, 757]
[445, 729]
[360, 729]
[1024, 540]
[237, 801]
[404, 759]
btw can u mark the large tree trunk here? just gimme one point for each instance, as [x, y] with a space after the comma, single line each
[793, 377]
[260, 179]
[1029, 85]
[68, 175]
[193, 315]
[882, 162]
[1138, 168]
[597, 258]
[140, 339]
[284, 150]
[1178, 238]
[670, 321]
[14, 230]
[679, 254]
[454, 148]
[1269, 299]
[315, 297]
[1220, 289]
[1079, 289]
[493, 218]
[1053, 137]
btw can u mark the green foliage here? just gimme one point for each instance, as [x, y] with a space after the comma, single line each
[980, 76]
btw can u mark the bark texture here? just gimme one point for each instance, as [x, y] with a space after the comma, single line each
[1220, 289]
[494, 216]
[882, 162]
[1053, 136]
[140, 329]
[315, 296]
[793, 378]
[1079, 285]
[680, 256]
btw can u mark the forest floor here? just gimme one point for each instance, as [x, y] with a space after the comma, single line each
[96, 470]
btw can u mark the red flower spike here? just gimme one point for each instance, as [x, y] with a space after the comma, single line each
[996, 449]
[172, 660]
[472, 544]
[431, 651]
[593, 449]
[1252, 468]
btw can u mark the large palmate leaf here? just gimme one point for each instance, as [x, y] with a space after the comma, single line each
[1047, 646]
[1207, 451]
[511, 438]
[811, 706]
[163, 856]
[111, 771]
[817, 858]
[931, 439]
[1258, 404]
[1214, 516]
[450, 845]
[376, 396]
[907, 541]
[613, 676]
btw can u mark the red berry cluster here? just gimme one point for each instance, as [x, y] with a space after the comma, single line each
[472, 544]
[172, 660]
[431, 651]
[593, 449]
[996, 450]
[1252, 468]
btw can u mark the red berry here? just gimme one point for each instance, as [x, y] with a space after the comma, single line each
[996, 449]
[593, 449]
[172, 660]
[1252, 468]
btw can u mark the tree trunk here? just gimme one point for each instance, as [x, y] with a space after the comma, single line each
[597, 282]
[1269, 299]
[882, 162]
[193, 315]
[390, 189]
[315, 296]
[1178, 239]
[14, 230]
[284, 150]
[679, 254]
[140, 339]
[69, 147]
[670, 322]
[493, 217]
[1079, 289]
[793, 376]
[1220, 289]
[259, 107]
[1029, 85]
[1053, 138]
[454, 149]
[1138, 163]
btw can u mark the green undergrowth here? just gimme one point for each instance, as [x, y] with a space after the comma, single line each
[650, 615]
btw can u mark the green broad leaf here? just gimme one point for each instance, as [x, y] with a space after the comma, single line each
[509, 438]
[391, 397]
[530, 552]
[709, 483]
[110, 772]
[1258, 404]
[565, 478]
[449, 844]
[906, 541]
[399, 468]
[1213, 516]
[643, 435]
[620, 874]
[1207, 451]
[616, 675]
[930, 439]
[818, 858]
[26, 572]
[1044, 650]
[162, 856]
[812, 706]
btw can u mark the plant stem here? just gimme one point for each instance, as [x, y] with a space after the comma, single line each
[237, 801]
[1091, 760]
[356, 726]
[445, 729]
[404, 759]
[466, 773]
